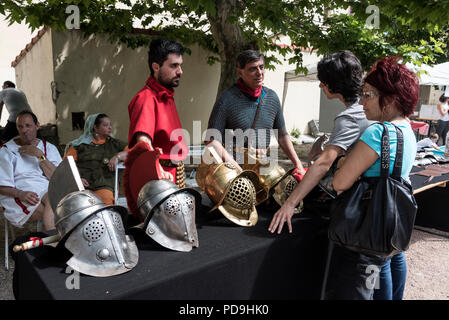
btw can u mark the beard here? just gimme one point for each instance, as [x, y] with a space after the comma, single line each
[168, 83]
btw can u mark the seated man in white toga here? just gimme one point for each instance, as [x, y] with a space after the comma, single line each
[26, 166]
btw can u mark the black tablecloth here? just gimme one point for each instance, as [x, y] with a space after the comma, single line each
[432, 203]
[419, 181]
[231, 262]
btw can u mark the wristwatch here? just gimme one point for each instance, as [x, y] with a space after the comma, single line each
[42, 158]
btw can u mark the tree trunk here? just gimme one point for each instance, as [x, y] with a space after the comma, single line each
[230, 42]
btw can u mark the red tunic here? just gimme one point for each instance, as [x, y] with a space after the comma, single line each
[153, 111]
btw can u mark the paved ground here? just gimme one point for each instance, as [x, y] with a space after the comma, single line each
[427, 260]
[6, 276]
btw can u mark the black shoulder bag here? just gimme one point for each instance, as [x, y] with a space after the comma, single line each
[376, 215]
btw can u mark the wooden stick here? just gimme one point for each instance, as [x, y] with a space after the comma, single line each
[36, 242]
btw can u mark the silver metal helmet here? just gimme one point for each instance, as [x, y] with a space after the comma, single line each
[169, 214]
[74, 208]
[95, 235]
[317, 148]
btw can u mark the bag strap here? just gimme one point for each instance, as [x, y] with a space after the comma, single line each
[257, 112]
[385, 152]
[399, 153]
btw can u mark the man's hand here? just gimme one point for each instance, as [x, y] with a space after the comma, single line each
[28, 196]
[30, 150]
[298, 174]
[284, 214]
[165, 175]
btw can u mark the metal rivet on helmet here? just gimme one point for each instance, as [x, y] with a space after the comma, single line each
[103, 254]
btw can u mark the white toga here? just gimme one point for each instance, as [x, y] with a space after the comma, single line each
[23, 173]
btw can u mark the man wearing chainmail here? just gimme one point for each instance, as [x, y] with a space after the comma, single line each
[152, 111]
[248, 109]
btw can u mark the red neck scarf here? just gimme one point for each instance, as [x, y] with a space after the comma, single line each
[244, 88]
[161, 91]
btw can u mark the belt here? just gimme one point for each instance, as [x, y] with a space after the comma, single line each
[180, 178]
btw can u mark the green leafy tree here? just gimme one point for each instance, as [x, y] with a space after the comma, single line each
[414, 29]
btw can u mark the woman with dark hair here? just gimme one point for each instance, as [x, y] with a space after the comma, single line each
[390, 94]
[97, 153]
[443, 123]
[341, 79]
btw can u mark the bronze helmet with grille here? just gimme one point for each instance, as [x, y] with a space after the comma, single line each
[232, 192]
[271, 174]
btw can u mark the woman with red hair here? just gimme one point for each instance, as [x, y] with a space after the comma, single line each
[390, 94]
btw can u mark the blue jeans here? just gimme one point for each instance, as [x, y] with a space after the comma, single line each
[392, 279]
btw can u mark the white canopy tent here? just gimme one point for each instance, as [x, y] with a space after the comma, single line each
[437, 75]
[291, 76]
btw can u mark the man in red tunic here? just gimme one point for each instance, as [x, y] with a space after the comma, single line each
[152, 111]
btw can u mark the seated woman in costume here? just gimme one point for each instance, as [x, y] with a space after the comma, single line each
[97, 153]
[390, 94]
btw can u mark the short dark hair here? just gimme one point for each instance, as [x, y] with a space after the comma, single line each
[248, 56]
[443, 98]
[342, 73]
[160, 49]
[9, 84]
[395, 82]
[24, 112]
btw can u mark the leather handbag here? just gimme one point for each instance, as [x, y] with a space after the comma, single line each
[376, 215]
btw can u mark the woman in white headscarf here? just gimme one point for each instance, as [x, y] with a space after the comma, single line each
[97, 153]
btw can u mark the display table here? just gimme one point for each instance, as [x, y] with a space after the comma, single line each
[231, 262]
[432, 199]
[419, 182]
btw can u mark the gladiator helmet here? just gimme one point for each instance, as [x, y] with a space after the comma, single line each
[95, 235]
[284, 187]
[169, 214]
[317, 148]
[233, 193]
[326, 183]
[270, 173]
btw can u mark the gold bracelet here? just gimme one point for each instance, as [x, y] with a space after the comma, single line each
[42, 158]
